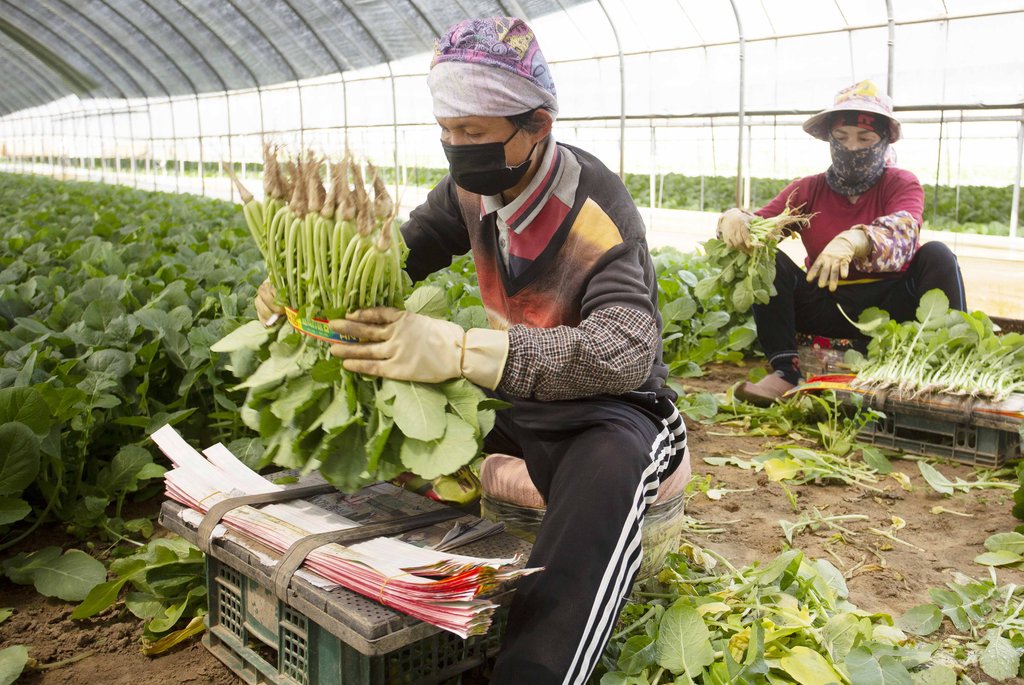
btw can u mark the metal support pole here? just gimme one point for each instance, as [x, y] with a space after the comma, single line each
[740, 112]
[622, 93]
[1015, 204]
[892, 47]
[938, 167]
[654, 172]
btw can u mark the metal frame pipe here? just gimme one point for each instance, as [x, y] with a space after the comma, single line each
[1015, 202]
[622, 91]
[740, 114]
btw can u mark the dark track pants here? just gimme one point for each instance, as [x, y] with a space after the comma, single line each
[803, 307]
[598, 463]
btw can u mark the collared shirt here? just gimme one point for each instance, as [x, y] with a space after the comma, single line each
[527, 223]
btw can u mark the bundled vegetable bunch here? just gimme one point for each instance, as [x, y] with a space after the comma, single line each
[743, 278]
[328, 252]
[943, 351]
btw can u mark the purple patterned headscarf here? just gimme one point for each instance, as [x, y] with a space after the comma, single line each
[490, 67]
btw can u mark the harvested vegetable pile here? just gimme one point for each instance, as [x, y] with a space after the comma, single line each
[786, 621]
[944, 350]
[329, 252]
[748, 277]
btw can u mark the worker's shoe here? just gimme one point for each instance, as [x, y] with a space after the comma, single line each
[765, 391]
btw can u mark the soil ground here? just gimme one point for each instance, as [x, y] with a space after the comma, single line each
[882, 575]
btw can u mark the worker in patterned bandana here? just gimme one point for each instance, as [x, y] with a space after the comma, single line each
[862, 240]
[574, 342]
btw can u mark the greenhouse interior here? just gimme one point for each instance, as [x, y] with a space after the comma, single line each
[279, 405]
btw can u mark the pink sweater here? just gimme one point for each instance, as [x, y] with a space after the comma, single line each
[889, 212]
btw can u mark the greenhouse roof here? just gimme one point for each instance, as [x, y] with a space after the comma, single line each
[165, 48]
[154, 48]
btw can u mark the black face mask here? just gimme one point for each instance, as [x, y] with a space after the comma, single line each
[482, 169]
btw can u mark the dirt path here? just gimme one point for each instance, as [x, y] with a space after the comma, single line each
[883, 576]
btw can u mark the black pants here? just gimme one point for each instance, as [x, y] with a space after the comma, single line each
[598, 463]
[803, 307]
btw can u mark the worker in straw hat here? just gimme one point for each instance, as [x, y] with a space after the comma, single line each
[574, 343]
[862, 240]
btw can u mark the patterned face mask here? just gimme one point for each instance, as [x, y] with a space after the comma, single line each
[854, 171]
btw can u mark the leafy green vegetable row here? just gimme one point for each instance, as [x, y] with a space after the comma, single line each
[109, 301]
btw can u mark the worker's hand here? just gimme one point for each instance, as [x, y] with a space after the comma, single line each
[411, 347]
[733, 229]
[267, 308]
[833, 263]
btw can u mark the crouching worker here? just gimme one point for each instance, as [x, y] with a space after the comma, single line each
[862, 241]
[574, 342]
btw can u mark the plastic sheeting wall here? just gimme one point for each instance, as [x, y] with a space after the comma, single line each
[190, 83]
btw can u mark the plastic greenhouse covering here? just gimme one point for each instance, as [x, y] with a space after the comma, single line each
[126, 87]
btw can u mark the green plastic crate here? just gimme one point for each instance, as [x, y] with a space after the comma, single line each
[263, 640]
[935, 437]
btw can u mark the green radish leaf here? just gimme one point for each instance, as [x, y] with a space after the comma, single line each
[272, 371]
[872, 319]
[19, 458]
[639, 653]
[123, 473]
[464, 398]
[865, 669]
[12, 510]
[933, 305]
[1001, 557]
[999, 660]
[433, 458]
[807, 667]
[936, 675]
[112, 363]
[12, 663]
[936, 480]
[248, 336]
[27, 406]
[428, 300]
[874, 458]
[682, 309]
[143, 605]
[742, 297]
[344, 458]
[741, 338]
[5, 614]
[924, 619]
[419, 411]
[840, 634]
[1011, 542]
[71, 577]
[683, 644]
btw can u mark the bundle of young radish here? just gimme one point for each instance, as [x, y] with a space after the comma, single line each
[742, 277]
[330, 251]
[942, 351]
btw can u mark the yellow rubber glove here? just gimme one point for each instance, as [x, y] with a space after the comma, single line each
[411, 347]
[733, 229]
[833, 263]
[267, 308]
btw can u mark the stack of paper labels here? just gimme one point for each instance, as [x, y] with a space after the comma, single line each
[439, 588]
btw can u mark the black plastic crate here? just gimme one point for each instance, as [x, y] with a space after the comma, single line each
[334, 637]
[263, 640]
